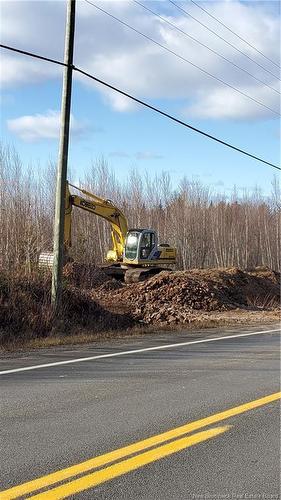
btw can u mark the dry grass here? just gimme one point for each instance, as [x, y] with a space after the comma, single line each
[203, 321]
[262, 302]
[27, 316]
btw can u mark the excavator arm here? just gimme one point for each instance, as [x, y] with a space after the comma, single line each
[102, 208]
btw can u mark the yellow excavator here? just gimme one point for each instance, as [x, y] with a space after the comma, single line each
[136, 254]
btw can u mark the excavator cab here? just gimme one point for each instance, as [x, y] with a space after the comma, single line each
[141, 248]
[139, 244]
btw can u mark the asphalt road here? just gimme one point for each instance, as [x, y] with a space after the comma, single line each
[60, 415]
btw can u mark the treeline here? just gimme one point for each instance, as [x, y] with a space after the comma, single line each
[209, 230]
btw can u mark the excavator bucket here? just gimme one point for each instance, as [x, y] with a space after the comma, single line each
[46, 260]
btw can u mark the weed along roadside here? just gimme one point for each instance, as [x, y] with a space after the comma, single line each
[97, 306]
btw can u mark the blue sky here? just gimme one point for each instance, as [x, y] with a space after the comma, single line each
[129, 136]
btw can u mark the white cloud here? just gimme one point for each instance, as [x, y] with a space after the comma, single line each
[16, 71]
[113, 53]
[223, 103]
[33, 128]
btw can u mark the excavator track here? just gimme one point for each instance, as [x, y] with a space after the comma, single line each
[131, 274]
[137, 274]
[114, 270]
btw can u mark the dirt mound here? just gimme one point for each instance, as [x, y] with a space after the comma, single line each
[175, 297]
[265, 272]
[111, 284]
[95, 302]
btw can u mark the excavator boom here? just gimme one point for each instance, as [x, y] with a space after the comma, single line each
[103, 208]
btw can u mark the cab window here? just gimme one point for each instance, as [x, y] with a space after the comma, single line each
[147, 244]
[131, 248]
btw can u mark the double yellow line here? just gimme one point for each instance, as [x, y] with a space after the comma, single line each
[132, 463]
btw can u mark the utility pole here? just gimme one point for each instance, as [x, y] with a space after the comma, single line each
[63, 156]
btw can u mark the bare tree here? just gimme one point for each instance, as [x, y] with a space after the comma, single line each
[209, 230]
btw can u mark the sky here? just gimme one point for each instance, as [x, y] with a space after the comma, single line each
[105, 124]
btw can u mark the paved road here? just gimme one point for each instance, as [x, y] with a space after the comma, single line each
[56, 416]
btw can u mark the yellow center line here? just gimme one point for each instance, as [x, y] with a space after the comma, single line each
[74, 470]
[108, 473]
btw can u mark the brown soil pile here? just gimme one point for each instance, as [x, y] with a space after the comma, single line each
[95, 303]
[177, 297]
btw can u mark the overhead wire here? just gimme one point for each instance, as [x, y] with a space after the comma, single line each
[32, 54]
[235, 33]
[181, 57]
[221, 38]
[145, 104]
[173, 26]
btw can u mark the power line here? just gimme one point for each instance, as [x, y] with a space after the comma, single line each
[145, 104]
[236, 34]
[221, 38]
[31, 54]
[182, 58]
[173, 118]
[173, 26]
